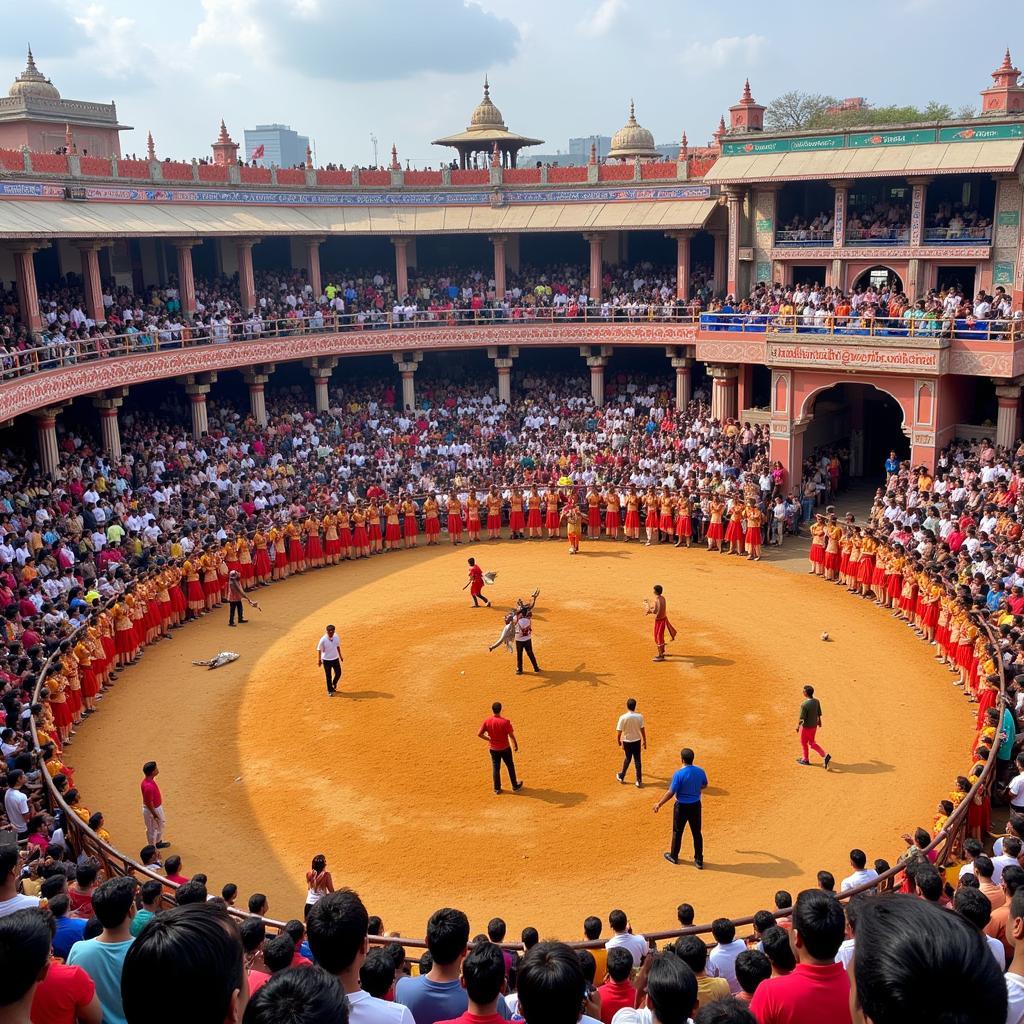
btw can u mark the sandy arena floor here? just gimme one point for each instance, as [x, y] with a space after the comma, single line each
[260, 770]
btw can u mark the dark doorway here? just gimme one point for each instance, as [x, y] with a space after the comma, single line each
[956, 277]
[879, 277]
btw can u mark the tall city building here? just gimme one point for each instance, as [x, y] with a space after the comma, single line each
[281, 146]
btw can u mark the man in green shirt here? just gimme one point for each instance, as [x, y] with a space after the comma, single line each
[809, 724]
[151, 892]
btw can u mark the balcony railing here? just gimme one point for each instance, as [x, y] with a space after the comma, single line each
[58, 351]
[801, 237]
[980, 235]
[890, 236]
[879, 327]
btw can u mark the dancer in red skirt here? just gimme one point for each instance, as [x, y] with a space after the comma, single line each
[552, 519]
[373, 528]
[409, 529]
[360, 537]
[659, 609]
[473, 517]
[261, 566]
[345, 533]
[753, 535]
[817, 552]
[392, 529]
[612, 513]
[246, 567]
[650, 515]
[493, 514]
[314, 546]
[454, 518]
[715, 534]
[593, 514]
[631, 524]
[516, 517]
[734, 531]
[431, 522]
[332, 542]
[534, 521]
[296, 555]
[833, 537]
[684, 520]
[666, 518]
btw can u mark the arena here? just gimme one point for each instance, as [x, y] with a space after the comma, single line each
[730, 431]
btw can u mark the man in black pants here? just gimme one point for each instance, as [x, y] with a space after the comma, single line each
[524, 639]
[236, 595]
[328, 656]
[498, 732]
[686, 787]
[632, 737]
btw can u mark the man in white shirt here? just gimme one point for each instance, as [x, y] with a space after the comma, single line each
[1015, 972]
[722, 959]
[16, 803]
[636, 944]
[632, 737]
[861, 872]
[328, 657]
[10, 899]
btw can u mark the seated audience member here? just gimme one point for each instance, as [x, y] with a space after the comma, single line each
[671, 993]
[24, 953]
[278, 953]
[103, 957]
[725, 1011]
[592, 932]
[150, 894]
[826, 881]
[692, 951]
[483, 976]
[763, 920]
[253, 932]
[861, 874]
[337, 926]
[193, 891]
[66, 994]
[618, 990]
[229, 893]
[723, 956]
[303, 955]
[258, 904]
[752, 967]
[784, 901]
[916, 964]
[818, 989]
[974, 907]
[779, 951]
[684, 915]
[622, 936]
[172, 868]
[998, 924]
[377, 975]
[550, 985]
[80, 892]
[186, 968]
[298, 996]
[67, 929]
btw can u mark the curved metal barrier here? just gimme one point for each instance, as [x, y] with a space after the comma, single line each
[85, 840]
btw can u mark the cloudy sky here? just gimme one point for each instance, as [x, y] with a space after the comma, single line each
[408, 71]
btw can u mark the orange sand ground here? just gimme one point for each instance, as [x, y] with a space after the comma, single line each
[260, 770]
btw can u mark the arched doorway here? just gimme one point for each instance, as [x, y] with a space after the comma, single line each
[878, 277]
[861, 424]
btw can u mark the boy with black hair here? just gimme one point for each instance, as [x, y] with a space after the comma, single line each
[618, 991]
[483, 978]
[24, 954]
[752, 967]
[692, 951]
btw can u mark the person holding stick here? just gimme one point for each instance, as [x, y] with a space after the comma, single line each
[236, 595]
[659, 609]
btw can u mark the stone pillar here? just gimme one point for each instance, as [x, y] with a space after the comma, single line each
[408, 363]
[197, 387]
[320, 369]
[684, 381]
[682, 262]
[186, 278]
[1008, 419]
[917, 203]
[46, 437]
[723, 392]
[246, 280]
[719, 272]
[839, 215]
[504, 368]
[256, 378]
[91, 277]
[734, 202]
[110, 430]
[401, 266]
[498, 241]
[28, 296]
[596, 268]
[313, 261]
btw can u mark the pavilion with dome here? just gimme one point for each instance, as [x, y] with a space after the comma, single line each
[632, 140]
[485, 131]
[34, 115]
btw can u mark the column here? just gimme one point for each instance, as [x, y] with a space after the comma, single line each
[1008, 418]
[91, 277]
[46, 437]
[734, 201]
[197, 395]
[320, 369]
[596, 266]
[723, 392]
[842, 194]
[684, 381]
[110, 430]
[504, 368]
[408, 363]
[186, 278]
[682, 262]
[246, 280]
[719, 272]
[28, 296]
[498, 242]
[917, 203]
[401, 266]
[256, 378]
[313, 261]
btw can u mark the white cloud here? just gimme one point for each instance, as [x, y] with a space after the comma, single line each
[126, 54]
[229, 23]
[701, 57]
[603, 17]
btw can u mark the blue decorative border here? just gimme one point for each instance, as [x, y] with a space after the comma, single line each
[244, 197]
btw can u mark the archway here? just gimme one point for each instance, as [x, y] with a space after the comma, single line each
[879, 277]
[861, 423]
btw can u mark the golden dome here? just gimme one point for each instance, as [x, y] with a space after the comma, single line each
[632, 140]
[31, 82]
[486, 115]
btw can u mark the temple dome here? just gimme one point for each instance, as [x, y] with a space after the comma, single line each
[486, 115]
[31, 82]
[632, 140]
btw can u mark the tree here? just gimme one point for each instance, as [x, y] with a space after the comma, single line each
[794, 110]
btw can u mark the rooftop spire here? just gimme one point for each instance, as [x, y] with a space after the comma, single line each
[150, 148]
[30, 64]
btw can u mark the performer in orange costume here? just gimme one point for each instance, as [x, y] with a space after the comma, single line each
[431, 523]
[493, 514]
[632, 523]
[473, 516]
[534, 521]
[659, 609]
[454, 519]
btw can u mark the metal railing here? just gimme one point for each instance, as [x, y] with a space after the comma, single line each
[866, 236]
[803, 236]
[980, 235]
[866, 326]
[85, 840]
[63, 351]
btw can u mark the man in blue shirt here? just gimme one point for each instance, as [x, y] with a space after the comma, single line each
[687, 785]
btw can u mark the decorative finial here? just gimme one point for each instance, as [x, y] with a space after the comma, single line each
[487, 88]
[632, 115]
[593, 152]
[395, 165]
[223, 136]
[309, 158]
[150, 148]
[1007, 62]
[684, 148]
[746, 97]
[69, 140]
[31, 64]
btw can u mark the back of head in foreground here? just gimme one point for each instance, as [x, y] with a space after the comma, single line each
[186, 965]
[299, 995]
[916, 964]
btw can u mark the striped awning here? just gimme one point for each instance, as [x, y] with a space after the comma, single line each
[870, 162]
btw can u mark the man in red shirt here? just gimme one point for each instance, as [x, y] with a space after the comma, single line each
[153, 807]
[818, 989]
[66, 995]
[498, 732]
[617, 993]
[476, 584]
[483, 977]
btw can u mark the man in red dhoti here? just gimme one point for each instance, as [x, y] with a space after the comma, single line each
[476, 584]
[659, 609]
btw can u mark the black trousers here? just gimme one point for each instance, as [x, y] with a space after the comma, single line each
[497, 757]
[527, 646]
[683, 815]
[332, 670]
[235, 608]
[631, 750]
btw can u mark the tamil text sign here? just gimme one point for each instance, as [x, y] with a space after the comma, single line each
[853, 357]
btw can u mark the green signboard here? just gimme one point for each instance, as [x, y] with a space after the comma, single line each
[913, 137]
[982, 133]
[811, 144]
[764, 226]
[764, 271]
[1008, 218]
[1002, 273]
